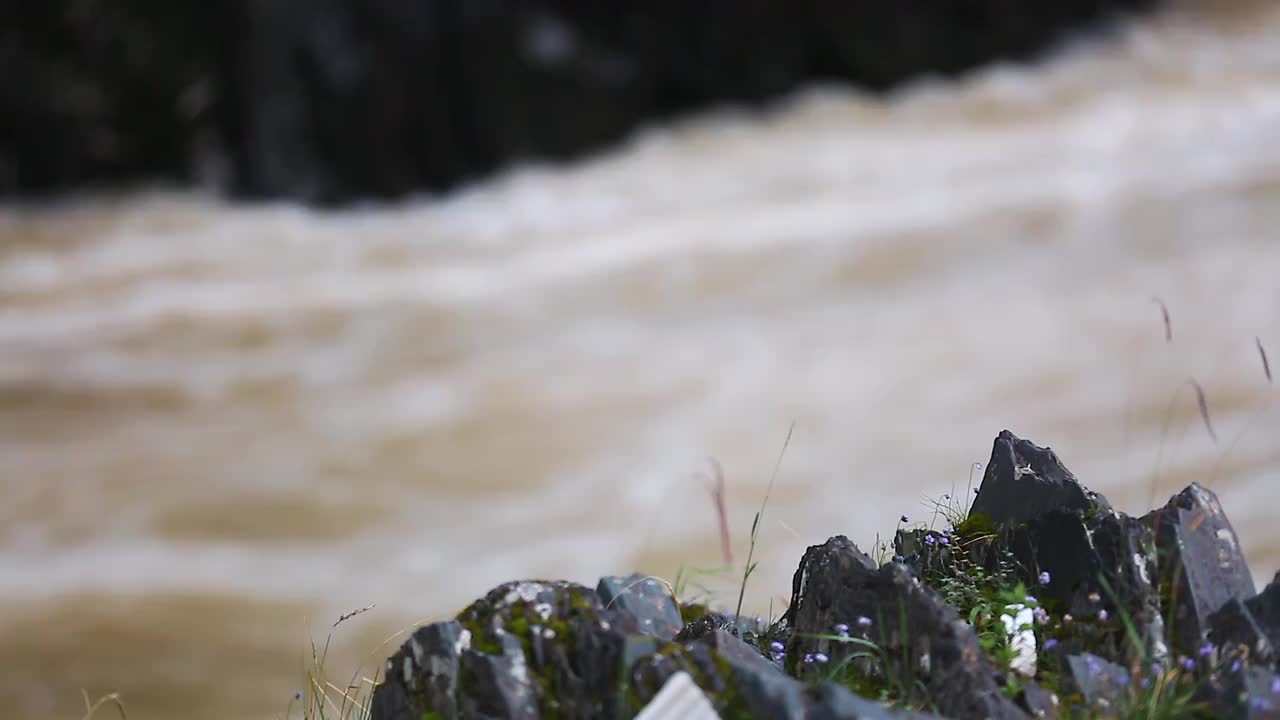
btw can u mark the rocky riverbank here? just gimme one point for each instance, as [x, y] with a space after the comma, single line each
[1038, 600]
[338, 99]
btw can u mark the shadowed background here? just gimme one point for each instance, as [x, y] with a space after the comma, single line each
[222, 425]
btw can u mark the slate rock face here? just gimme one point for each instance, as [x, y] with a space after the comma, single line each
[741, 683]
[1039, 516]
[525, 650]
[1104, 685]
[921, 638]
[646, 599]
[1201, 565]
[331, 100]
[1024, 480]
[1250, 627]
[423, 674]
[1096, 564]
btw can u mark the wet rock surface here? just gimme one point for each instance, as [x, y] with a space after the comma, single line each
[926, 632]
[338, 99]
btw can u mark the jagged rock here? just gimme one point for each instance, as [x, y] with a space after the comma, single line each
[706, 625]
[1235, 628]
[1261, 696]
[328, 100]
[743, 684]
[422, 674]
[1265, 606]
[525, 650]
[1237, 691]
[1032, 516]
[1104, 685]
[645, 598]
[1024, 480]
[919, 636]
[1038, 701]
[1096, 565]
[1252, 625]
[1200, 564]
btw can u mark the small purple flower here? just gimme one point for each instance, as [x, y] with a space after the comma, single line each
[1030, 600]
[842, 630]
[1260, 704]
[1051, 643]
[864, 621]
[946, 540]
[903, 518]
[1103, 615]
[1206, 650]
[1235, 666]
[1041, 616]
[820, 658]
[929, 540]
[1044, 578]
[1155, 668]
[1122, 680]
[899, 558]
[808, 658]
[777, 647]
[1188, 664]
[1275, 686]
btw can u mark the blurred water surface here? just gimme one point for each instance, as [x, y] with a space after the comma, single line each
[222, 426]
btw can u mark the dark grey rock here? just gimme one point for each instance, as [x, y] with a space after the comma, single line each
[706, 625]
[920, 637]
[740, 683]
[1234, 627]
[499, 684]
[1265, 606]
[1238, 691]
[1038, 701]
[1104, 685]
[422, 674]
[646, 599]
[1261, 699]
[527, 649]
[1023, 481]
[1200, 563]
[832, 702]
[1032, 516]
[1104, 562]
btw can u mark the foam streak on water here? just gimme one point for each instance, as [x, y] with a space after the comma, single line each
[227, 418]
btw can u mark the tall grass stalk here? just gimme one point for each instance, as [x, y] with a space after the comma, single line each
[755, 524]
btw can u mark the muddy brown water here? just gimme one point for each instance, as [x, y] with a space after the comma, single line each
[223, 426]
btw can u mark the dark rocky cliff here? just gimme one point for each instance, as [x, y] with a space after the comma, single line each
[327, 100]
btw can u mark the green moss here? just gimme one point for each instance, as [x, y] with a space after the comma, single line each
[975, 525]
[693, 611]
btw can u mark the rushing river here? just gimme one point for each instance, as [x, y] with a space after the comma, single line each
[222, 426]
